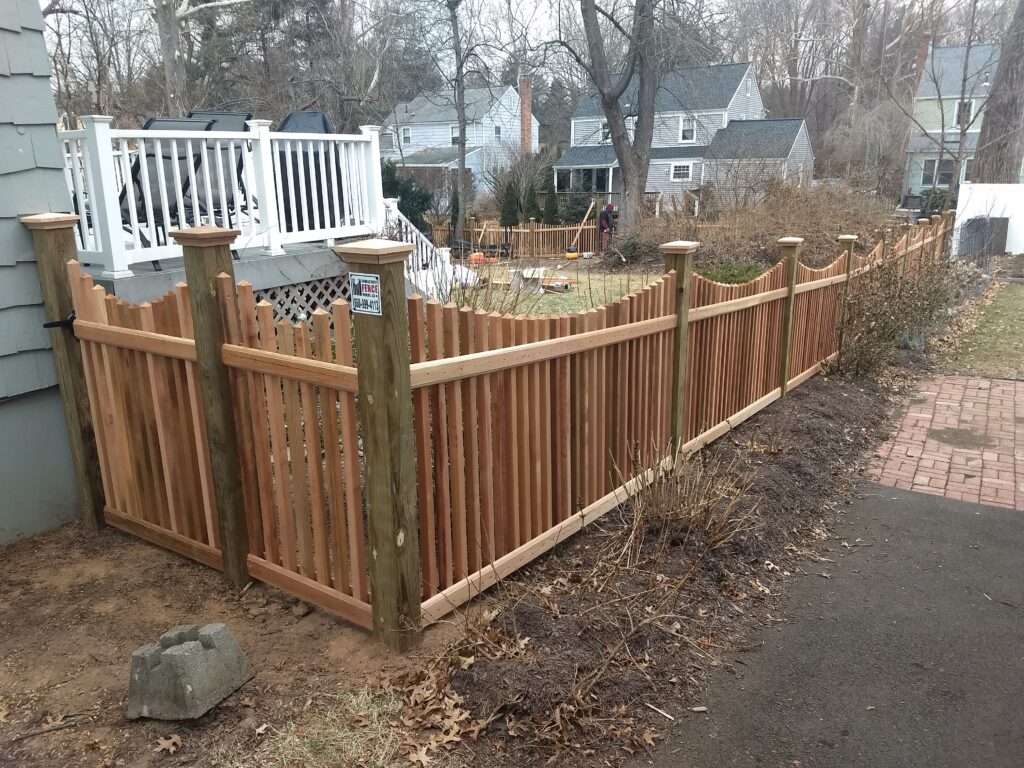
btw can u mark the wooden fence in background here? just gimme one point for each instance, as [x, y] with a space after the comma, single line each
[524, 429]
[532, 239]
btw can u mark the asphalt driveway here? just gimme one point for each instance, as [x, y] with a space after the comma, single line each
[911, 653]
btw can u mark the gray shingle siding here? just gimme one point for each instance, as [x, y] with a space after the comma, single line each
[31, 181]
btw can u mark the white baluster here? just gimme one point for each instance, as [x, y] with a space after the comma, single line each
[375, 191]
[104, 194]
[265, 190]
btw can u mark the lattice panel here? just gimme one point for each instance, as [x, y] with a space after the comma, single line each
[297, 301]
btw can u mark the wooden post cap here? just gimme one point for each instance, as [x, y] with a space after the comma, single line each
[847, 238]
[790, 241]
[679, 246]
[923, 220]
[49, 220]
[936, 217]
[204, 236]
[374, 251]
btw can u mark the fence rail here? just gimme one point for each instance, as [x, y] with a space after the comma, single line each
[531, 240]
[131, 188]
[523, 429]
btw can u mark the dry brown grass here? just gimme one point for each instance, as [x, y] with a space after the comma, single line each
[750, 234]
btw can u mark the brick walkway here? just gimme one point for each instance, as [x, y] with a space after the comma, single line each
[962, 438]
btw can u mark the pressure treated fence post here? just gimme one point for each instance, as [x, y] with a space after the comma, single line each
[207, 254]
[53, 235]
[847, 241]
[790, 249]
[679, 257]
[380, 316]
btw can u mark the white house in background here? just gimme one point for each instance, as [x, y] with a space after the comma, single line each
[424, 132]
[709, 126]
[945, 102]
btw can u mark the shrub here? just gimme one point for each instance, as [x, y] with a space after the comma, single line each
[414, 201]
[531, 208]
[550, 202]
[888, 309]
[509, 208]
[574, 207]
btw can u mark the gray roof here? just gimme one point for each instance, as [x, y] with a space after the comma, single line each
[436, 156]
[603, 155]
[439, 106]
[755, 139]
[685, 90]
[924, 142]
[944, 71]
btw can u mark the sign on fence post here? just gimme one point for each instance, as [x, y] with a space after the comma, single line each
[385, 419]
[790, 249]
[206, 251]
[53, 235]
[679, 257]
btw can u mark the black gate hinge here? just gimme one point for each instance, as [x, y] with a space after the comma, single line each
[68, 323]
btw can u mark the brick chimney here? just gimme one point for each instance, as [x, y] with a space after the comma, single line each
[525, 115]
[923, 46]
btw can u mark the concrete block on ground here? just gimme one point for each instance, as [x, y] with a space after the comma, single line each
[187, 674]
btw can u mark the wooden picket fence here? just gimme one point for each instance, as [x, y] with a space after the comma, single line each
[525, 429]
[530, 240]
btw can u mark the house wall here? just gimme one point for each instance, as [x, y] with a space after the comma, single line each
[35, 464]
[659, 178]
[744, 105]
[915, 170]
[587, 131]
[940, 114]
[800, 163]
[742, 182]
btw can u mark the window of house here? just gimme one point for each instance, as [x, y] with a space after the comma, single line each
[967, 168]
[964, 112]
[944, 171]
[407, 135]
[606, 133]
[682, 171]
[687, 130]
[748, 85]
[455, 135]
[497, 132]
[387, 140]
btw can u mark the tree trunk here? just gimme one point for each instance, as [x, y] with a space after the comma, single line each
[1001, 141]
[460, 112]
[169, 30]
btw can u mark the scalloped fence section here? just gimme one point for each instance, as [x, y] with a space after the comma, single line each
[526, 429]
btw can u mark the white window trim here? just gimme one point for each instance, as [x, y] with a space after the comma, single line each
[406, 131]
[956, 111]
[605, 127]
[725, 119]
[454, 131]
[682, 124]
[672, 171]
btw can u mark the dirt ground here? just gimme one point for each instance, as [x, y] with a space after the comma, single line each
[619, 650]
[73, 607]
[578, 681]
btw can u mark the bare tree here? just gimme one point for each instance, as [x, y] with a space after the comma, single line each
[1001, 141]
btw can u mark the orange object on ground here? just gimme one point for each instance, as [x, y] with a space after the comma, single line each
[479, 258]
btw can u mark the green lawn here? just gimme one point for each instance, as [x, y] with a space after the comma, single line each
[995, 347]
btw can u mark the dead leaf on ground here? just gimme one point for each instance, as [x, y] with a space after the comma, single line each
[169, 745]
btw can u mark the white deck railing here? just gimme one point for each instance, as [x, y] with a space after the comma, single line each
[132, 187]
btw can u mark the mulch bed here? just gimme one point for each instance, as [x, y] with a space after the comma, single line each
[590, 654]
